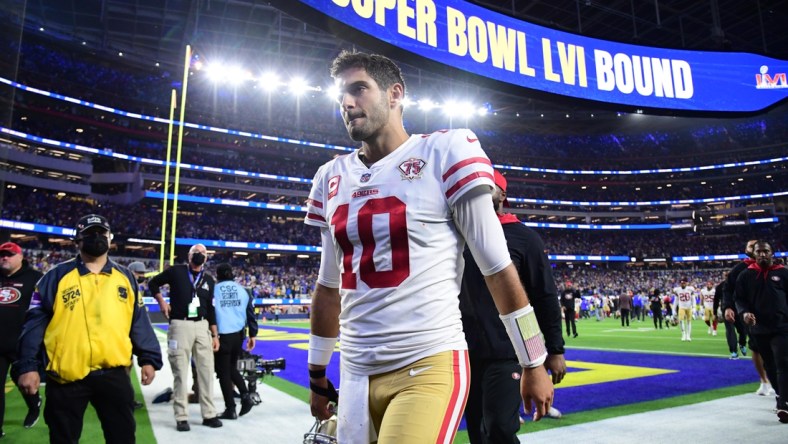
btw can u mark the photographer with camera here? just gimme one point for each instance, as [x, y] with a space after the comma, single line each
[234, 313]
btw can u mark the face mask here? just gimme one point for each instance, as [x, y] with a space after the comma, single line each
[94, 245]
[140, 279]
[198, 259]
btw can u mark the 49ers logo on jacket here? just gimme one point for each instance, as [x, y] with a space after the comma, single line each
[412, 168]
[9, 295]
[70, 296]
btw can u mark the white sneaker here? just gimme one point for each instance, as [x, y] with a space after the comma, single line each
[689, 339]
[683, 336]
[763, 390]
[553, 413]
[709, 332]
[714, 333]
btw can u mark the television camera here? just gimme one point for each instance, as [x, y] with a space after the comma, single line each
[254, 368]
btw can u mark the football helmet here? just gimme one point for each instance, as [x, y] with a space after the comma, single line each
[322, 432]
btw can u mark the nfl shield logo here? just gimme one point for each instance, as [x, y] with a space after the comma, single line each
[365, 177]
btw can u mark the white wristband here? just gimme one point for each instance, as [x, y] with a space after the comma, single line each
[320, 349]
[523, 331]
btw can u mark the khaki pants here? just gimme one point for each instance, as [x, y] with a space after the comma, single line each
[184, 339]
[422, 402]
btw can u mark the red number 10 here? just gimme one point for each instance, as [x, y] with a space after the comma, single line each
[398, 237]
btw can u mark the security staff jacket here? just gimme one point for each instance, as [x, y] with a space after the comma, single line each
[15, 293]
[234, 310]
[86, 322]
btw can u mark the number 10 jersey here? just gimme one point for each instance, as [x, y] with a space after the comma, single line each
[398, 251]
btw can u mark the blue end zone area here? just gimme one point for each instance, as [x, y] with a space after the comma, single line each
[596, 379]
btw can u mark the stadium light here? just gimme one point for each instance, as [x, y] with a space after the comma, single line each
[427, 105]
[298, 86]
[269, 81]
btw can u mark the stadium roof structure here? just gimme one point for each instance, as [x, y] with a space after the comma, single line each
[158, 30]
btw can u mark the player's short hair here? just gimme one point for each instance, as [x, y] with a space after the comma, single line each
[381, 68]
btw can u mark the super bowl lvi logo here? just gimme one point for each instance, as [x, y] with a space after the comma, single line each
[412, 168]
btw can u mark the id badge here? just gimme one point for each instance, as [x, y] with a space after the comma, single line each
[193, 306]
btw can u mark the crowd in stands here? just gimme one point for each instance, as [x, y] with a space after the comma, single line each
[232, 152]
[144, 219]
[315, 119]
[253, 225]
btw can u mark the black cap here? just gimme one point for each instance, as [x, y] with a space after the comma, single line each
[91, 220]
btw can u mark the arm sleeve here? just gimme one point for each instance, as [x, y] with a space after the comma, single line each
[315, 212]
[251, 320]
[740, 295]
[537, 277]
[329, 274]
[37, 319]
[144, 344]
[730, 289]
[476, 220]
[210, 310]
[160, 279]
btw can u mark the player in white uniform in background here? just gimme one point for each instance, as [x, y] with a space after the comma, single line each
[394, 217]
[685, 300]
[709, 317]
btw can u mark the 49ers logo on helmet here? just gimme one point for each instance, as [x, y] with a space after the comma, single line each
[9, 295]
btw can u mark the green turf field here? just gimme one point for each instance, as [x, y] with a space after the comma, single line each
[15, 411]
[604, 335]
[609, 335]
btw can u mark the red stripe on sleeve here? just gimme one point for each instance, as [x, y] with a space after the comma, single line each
[314, 203]
[314, 216]
[463, 163]
[471, 177]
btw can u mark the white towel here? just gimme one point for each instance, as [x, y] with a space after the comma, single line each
[353, 422]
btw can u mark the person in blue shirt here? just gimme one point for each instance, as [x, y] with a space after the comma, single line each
[234, 314]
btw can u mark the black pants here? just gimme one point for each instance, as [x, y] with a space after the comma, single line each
[31, 400]
[774, 351]
[657, 314]
[110, 393]
[624, 317]
[492, 412]
[569, 318]
[732, 330]
[230, 347]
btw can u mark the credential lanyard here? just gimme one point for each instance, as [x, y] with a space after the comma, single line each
[195, 282]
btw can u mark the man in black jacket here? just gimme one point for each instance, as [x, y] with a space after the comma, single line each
[17, 282]
[568, 297]
[492, 410]
[730, 316]
[192, 333]
[732, 329]
[762, 299]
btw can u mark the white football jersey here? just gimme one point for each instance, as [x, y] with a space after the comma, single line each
[685, 296]
[708, 297]
[398, 251]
